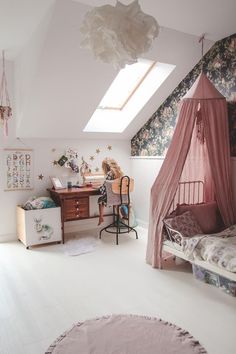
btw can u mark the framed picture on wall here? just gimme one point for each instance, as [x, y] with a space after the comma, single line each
[18, 169]
[57, 184]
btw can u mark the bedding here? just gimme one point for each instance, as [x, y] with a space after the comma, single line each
[218, 249]
[185, 223]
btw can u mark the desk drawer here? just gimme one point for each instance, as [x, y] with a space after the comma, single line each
[77, 214]
[75, 202]
[76, 208]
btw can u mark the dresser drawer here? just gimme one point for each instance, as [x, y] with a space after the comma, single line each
[76, 208]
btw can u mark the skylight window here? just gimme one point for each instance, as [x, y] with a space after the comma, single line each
[129, 92]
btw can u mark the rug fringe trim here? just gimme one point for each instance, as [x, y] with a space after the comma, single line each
[181, 333]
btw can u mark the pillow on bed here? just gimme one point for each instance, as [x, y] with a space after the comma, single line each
[206, 214]
[185, 223]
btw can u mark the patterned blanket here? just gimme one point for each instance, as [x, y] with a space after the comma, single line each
[218, 249]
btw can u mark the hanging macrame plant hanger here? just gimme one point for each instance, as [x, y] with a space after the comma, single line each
[5, 105]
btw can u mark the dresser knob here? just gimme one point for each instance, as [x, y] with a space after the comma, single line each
[77, 215]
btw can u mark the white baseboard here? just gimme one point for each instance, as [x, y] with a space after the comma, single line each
[76, 226]
[8, 238]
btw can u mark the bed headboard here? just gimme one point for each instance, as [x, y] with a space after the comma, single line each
[191, 192]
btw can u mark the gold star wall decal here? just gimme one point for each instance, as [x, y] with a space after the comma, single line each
[109, 147]
[96, 169]
[54, 162]
[98, 151]
[91, 158]
[40, 176]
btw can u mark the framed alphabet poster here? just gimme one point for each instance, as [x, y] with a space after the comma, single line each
[19, 169]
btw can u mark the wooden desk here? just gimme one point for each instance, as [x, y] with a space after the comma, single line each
[74, 203]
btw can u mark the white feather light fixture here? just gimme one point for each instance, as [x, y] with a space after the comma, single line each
[118, 34]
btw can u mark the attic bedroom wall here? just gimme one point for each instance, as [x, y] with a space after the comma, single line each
[59, 83]
[45, 152]
[58, 86]
[152, 141]
[43, 78]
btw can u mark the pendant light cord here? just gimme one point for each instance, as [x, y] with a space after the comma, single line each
[201, 40]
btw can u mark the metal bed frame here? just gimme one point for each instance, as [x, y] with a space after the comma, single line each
[189, 193]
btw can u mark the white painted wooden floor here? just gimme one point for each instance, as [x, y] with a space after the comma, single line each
[43, 292]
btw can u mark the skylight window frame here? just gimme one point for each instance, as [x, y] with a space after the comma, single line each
[149, 69]
[109, 119]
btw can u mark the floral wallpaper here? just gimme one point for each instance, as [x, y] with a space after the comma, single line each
[219, 63]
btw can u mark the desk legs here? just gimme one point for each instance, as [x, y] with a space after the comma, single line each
[63, 231]
[62, 222]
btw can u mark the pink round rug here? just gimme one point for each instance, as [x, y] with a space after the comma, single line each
[125, 334]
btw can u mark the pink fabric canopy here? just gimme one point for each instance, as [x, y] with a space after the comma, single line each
[200, 144]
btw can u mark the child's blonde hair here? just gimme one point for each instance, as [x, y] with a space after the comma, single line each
[109, 164]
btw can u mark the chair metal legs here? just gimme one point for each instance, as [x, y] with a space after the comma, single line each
[117, 226]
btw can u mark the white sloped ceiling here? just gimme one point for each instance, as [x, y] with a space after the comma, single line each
[59, 84]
